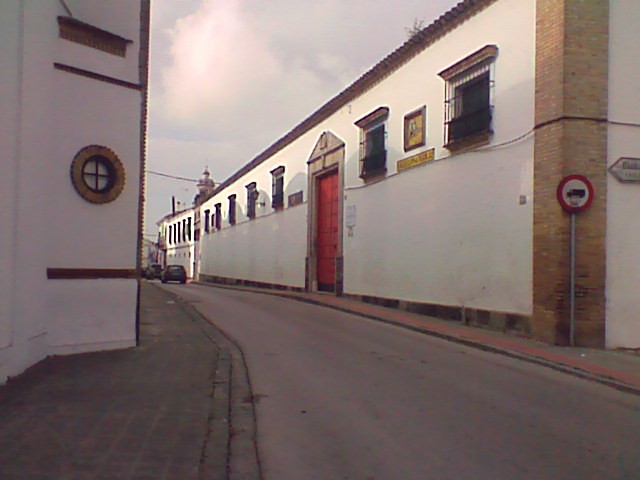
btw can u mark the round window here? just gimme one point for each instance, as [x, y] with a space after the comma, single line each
[97, 174]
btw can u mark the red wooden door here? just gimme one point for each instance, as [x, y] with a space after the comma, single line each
[327, 231]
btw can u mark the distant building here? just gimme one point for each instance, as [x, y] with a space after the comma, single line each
[73, 113]
[205, 185]
[179, 232]
[177, 240]
[430, 183]
[150, 252]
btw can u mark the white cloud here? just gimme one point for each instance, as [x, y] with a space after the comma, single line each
[229, 77]
[216, 59]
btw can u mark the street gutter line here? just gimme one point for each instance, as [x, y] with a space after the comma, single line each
[571, 370]
[243, 459]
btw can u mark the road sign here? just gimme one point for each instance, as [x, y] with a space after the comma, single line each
[626, 170]
[575, 193]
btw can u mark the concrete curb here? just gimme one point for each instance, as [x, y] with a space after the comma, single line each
[538, 360]
[232, 429]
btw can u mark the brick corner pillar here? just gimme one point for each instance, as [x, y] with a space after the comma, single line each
[571, 94]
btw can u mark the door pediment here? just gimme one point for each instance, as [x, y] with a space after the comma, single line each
[327, 143]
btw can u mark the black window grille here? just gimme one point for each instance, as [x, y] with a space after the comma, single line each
[373, 153]
[277, 188]
[232, 209]
[468, 109]
[252, 194]
[207, 214]
[218, 216]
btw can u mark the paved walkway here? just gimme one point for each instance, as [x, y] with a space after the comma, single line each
[159, 411]
[618, 369]
[165, 410]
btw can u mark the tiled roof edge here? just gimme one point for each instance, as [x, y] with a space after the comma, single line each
[62, 20]
[389, 64]
[172, 215]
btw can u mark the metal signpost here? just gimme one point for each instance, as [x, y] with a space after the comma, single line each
[575, 195]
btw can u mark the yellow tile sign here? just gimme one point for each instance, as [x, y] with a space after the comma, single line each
[415, 160]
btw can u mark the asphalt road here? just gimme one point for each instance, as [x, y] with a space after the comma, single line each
[343, 397]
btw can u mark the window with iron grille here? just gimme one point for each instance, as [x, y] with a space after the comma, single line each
[468, 99]
[207, 214]
[232, 209]
[373, 140]
[252, 195]
[218, 216]
[277, 188]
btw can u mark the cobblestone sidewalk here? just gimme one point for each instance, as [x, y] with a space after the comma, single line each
[144, 413]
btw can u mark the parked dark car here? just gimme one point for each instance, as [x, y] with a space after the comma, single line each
[153, 271]
[174, 273]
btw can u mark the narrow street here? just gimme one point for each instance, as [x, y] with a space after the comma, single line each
[338, 396]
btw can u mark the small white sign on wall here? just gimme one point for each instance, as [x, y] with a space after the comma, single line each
[626, 170]
[351, 216]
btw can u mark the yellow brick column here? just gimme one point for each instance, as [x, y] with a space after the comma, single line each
[571, 83]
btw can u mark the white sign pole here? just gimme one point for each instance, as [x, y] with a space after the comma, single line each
[572, 281]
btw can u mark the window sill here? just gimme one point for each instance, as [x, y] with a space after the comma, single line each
[373, 174]
[472, 141]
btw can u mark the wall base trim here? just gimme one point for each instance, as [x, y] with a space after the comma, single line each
[490, 319]
[246, 283]
[94, 347]
[493, 320]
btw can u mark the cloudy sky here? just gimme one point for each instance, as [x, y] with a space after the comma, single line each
[229, 77]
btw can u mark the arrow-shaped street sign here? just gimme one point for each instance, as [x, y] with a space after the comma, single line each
[626, 170]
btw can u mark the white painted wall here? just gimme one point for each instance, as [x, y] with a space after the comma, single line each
[272, 247]
[451, 232]
[10, 143]
[623, 221]
[124, 22]
[86, 316]
[269, 249]
[114, 123]
[47, 117]
[27, 173]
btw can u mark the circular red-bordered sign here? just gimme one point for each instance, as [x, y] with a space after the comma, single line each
[575, 193]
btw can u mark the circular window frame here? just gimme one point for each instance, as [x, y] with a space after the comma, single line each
[115, 169]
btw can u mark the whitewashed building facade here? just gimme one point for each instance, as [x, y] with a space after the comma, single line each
[73, 116]
[430, 183]
[177, 233]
